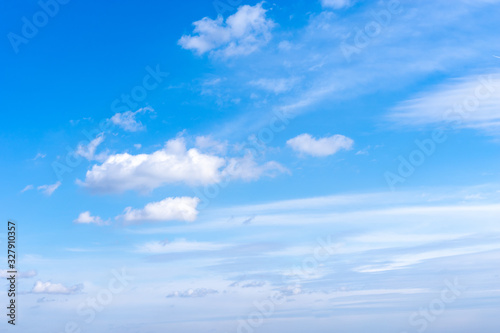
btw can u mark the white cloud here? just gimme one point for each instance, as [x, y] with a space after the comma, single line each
[468, 102]
[336, 4]
[172, 164]
[145, 172]
[242, 33]
[247, 169]
[402, 261]
[87, 218]
[39, 155]
[21, 275]
[49, 189]
[127, 121]
[305, 143]
[182, 208]
[275, 85]
[54, 288]
[27, 188]
[88, 151]
[178, 246]
[251, 284]
[201, 292]
[209, 144]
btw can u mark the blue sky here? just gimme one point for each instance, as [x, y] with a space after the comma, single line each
[244, 166]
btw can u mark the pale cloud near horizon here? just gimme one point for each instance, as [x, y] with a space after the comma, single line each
[41, 287]
[199, 292]
[21, 275]
[240, 34]
[306, 144]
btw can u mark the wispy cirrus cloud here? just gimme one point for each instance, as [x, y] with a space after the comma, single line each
[49, 189]
[467, 102]
[277, 86]
[27, 188]
[178, 246]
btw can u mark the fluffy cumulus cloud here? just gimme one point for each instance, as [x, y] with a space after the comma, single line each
[182, 208]
[467, 102]
[87, 218]
[200, 292]
[54, 288]
[336, 4]
[241, 33]
[306, 144]
[178, 246]
[144, 172]
[49, 189]
[172, 164]
[127, 120]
